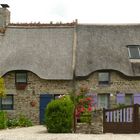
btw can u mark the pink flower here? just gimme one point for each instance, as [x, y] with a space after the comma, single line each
[82, 109]
[89, 108]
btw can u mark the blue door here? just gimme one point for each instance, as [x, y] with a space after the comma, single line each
[44, 100]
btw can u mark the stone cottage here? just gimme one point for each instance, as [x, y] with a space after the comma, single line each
[41, 61]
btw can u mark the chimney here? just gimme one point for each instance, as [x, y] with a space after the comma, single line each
[4, 15]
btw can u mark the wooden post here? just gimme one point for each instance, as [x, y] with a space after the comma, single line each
[104, 119]
[136, 118]
[74, 123]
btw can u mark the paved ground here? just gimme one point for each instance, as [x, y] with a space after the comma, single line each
[39, 133]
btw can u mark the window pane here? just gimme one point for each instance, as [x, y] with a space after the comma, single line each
[137, 98]
[128, 99]
[7, 107]
[104, 76]
[21, 77]
[7, 102]
[134, 53]
[103, 101]
[120, 98]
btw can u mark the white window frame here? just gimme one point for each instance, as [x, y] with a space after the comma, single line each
[133, 46]
[108, 98]
[101, 82]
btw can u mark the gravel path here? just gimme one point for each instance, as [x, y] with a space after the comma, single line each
[39, 133]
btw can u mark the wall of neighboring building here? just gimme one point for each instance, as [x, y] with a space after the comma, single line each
[118, 83]
[35, 87]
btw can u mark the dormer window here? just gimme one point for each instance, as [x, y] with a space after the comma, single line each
[134, 51]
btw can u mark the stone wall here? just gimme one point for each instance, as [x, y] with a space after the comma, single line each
[96, 127]
[35, 87]
[118, 83]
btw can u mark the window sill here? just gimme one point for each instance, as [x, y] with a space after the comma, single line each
[134, 60]
[10, 110]
[103, 85]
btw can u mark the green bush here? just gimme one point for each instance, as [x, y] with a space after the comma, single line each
[3, 120]
[11, 123]
[24, 122]
[59, 115]
[86, 117]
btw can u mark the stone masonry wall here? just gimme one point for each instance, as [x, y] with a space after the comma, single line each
[96, 126]
[36, 86]
[118, 83]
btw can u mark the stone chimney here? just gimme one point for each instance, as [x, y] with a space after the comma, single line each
[4, 15]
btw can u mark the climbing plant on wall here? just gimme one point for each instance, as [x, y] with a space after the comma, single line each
[2, 87]
[84, 105]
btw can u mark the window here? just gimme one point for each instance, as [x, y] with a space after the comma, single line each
[103, 78]
[103, 100]
[21, 77]
[6, 103]
[128, 99]
[134, 51]
[21, 80]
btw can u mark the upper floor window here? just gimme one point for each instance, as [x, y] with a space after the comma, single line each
[21, 80]
[134, 51]
[103, 78]
[21, 77]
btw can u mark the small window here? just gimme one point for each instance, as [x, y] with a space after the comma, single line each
[6, 103]
[103, 100]
[134, 51]
[21, 80]
[21, 77]
[128, 99]
[103, 78]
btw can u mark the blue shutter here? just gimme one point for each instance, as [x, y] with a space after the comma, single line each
[137, 98]
[120, 98]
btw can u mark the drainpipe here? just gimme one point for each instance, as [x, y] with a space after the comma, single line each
[74, 75]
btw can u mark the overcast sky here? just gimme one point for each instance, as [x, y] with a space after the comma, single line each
[86, 11]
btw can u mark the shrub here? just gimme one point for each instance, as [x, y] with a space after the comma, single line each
[3, 120]
[12, 123]
[59, 115]
[86, 117]
[24, 122]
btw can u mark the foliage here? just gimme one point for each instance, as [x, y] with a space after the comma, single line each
[24, 121]
[83, 105]
[59, 115]
[12, 123]
[2, 87]
[120, 105]
[86, 117]
[3, 120]
[21, 121]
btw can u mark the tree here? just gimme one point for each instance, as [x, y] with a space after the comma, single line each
[2, 87]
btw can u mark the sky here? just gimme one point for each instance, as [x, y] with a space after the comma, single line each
[86, 11]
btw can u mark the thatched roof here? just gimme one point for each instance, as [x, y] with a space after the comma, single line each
[104, 47]
[46, 51]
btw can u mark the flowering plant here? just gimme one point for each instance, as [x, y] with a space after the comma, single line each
[84, 105]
